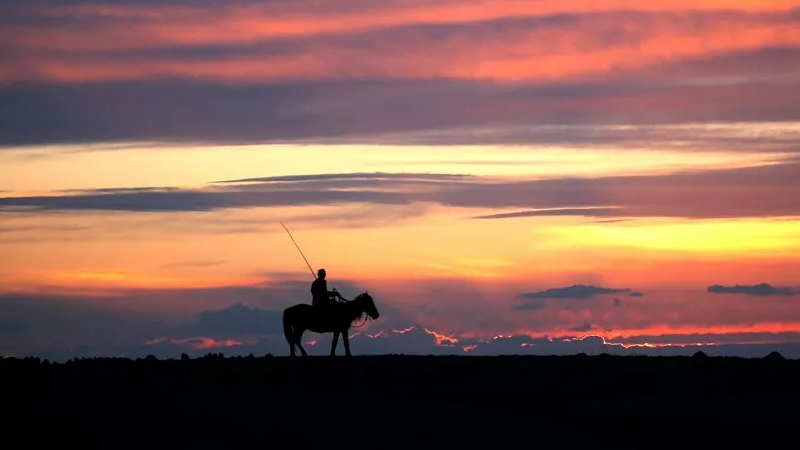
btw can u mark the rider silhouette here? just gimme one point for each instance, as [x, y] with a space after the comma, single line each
[320, 295]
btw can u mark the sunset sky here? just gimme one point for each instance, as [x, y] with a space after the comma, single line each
[502, 176]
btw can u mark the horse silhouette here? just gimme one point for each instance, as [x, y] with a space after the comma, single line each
[336, 318]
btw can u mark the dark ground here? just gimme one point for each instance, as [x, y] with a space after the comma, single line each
[395, 401]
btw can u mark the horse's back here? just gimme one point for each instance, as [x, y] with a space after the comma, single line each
[295, 309]
[315, 318]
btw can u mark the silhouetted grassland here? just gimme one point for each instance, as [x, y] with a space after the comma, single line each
[422, 401]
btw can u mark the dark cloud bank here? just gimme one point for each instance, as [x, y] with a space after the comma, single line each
[578, 292]
[56, 329]
[433, 112]
[771, 191]
[763, 289]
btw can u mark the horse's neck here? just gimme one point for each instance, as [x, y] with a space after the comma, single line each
[353, 308]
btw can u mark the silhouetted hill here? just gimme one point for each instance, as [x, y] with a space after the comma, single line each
[776, 356]
[416, 401]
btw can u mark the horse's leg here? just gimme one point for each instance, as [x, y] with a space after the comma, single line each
[292, 341]
[335, 341]
[298, 338]
[288, 332]
[346, 342]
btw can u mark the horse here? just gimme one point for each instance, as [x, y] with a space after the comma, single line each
[335, 319]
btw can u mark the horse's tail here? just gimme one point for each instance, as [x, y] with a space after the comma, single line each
[287, 327]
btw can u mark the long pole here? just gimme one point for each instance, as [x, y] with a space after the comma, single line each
[298, 249]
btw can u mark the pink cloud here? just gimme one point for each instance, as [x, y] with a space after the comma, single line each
[473, 47]
[197, 343]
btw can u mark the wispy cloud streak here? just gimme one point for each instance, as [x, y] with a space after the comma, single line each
[763, 191]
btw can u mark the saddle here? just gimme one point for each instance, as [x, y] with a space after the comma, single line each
[328, 306]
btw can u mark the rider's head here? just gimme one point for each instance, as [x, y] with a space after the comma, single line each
[321, 273]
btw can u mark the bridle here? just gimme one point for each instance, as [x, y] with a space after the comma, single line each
[363, 323]
[367, 318]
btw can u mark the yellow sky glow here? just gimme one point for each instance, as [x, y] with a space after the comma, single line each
[37, 169]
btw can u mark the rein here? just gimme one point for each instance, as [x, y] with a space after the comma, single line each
[363, 323]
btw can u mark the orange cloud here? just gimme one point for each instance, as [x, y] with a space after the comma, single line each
[441, 338]
[404, 330]
[508, 50]
[236, 23]
[651, 332]
[765, 327]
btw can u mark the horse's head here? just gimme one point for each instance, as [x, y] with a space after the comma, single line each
[368, 305]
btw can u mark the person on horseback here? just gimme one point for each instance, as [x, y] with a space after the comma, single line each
[320, 295]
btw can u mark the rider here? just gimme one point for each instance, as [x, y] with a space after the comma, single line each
[320, 295]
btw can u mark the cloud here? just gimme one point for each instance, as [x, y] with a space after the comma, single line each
[434, 112]
[717, 338]
[577, 291]
[199, 200]
[60, 328]
[528, 306]
[592, 212]
[235, 320]
[636, 294]
[582, 328]
[612, 220]
[42, 229]
[279, 43]
[281, 19]
[770, 192]
[198, 343]
[198, 263]
[523, 345]
[51, 320]
[763, 289]
[11, 327]
[244, 318]
[165, 348]
[330, 71]
[347, 178]
[317, 113]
